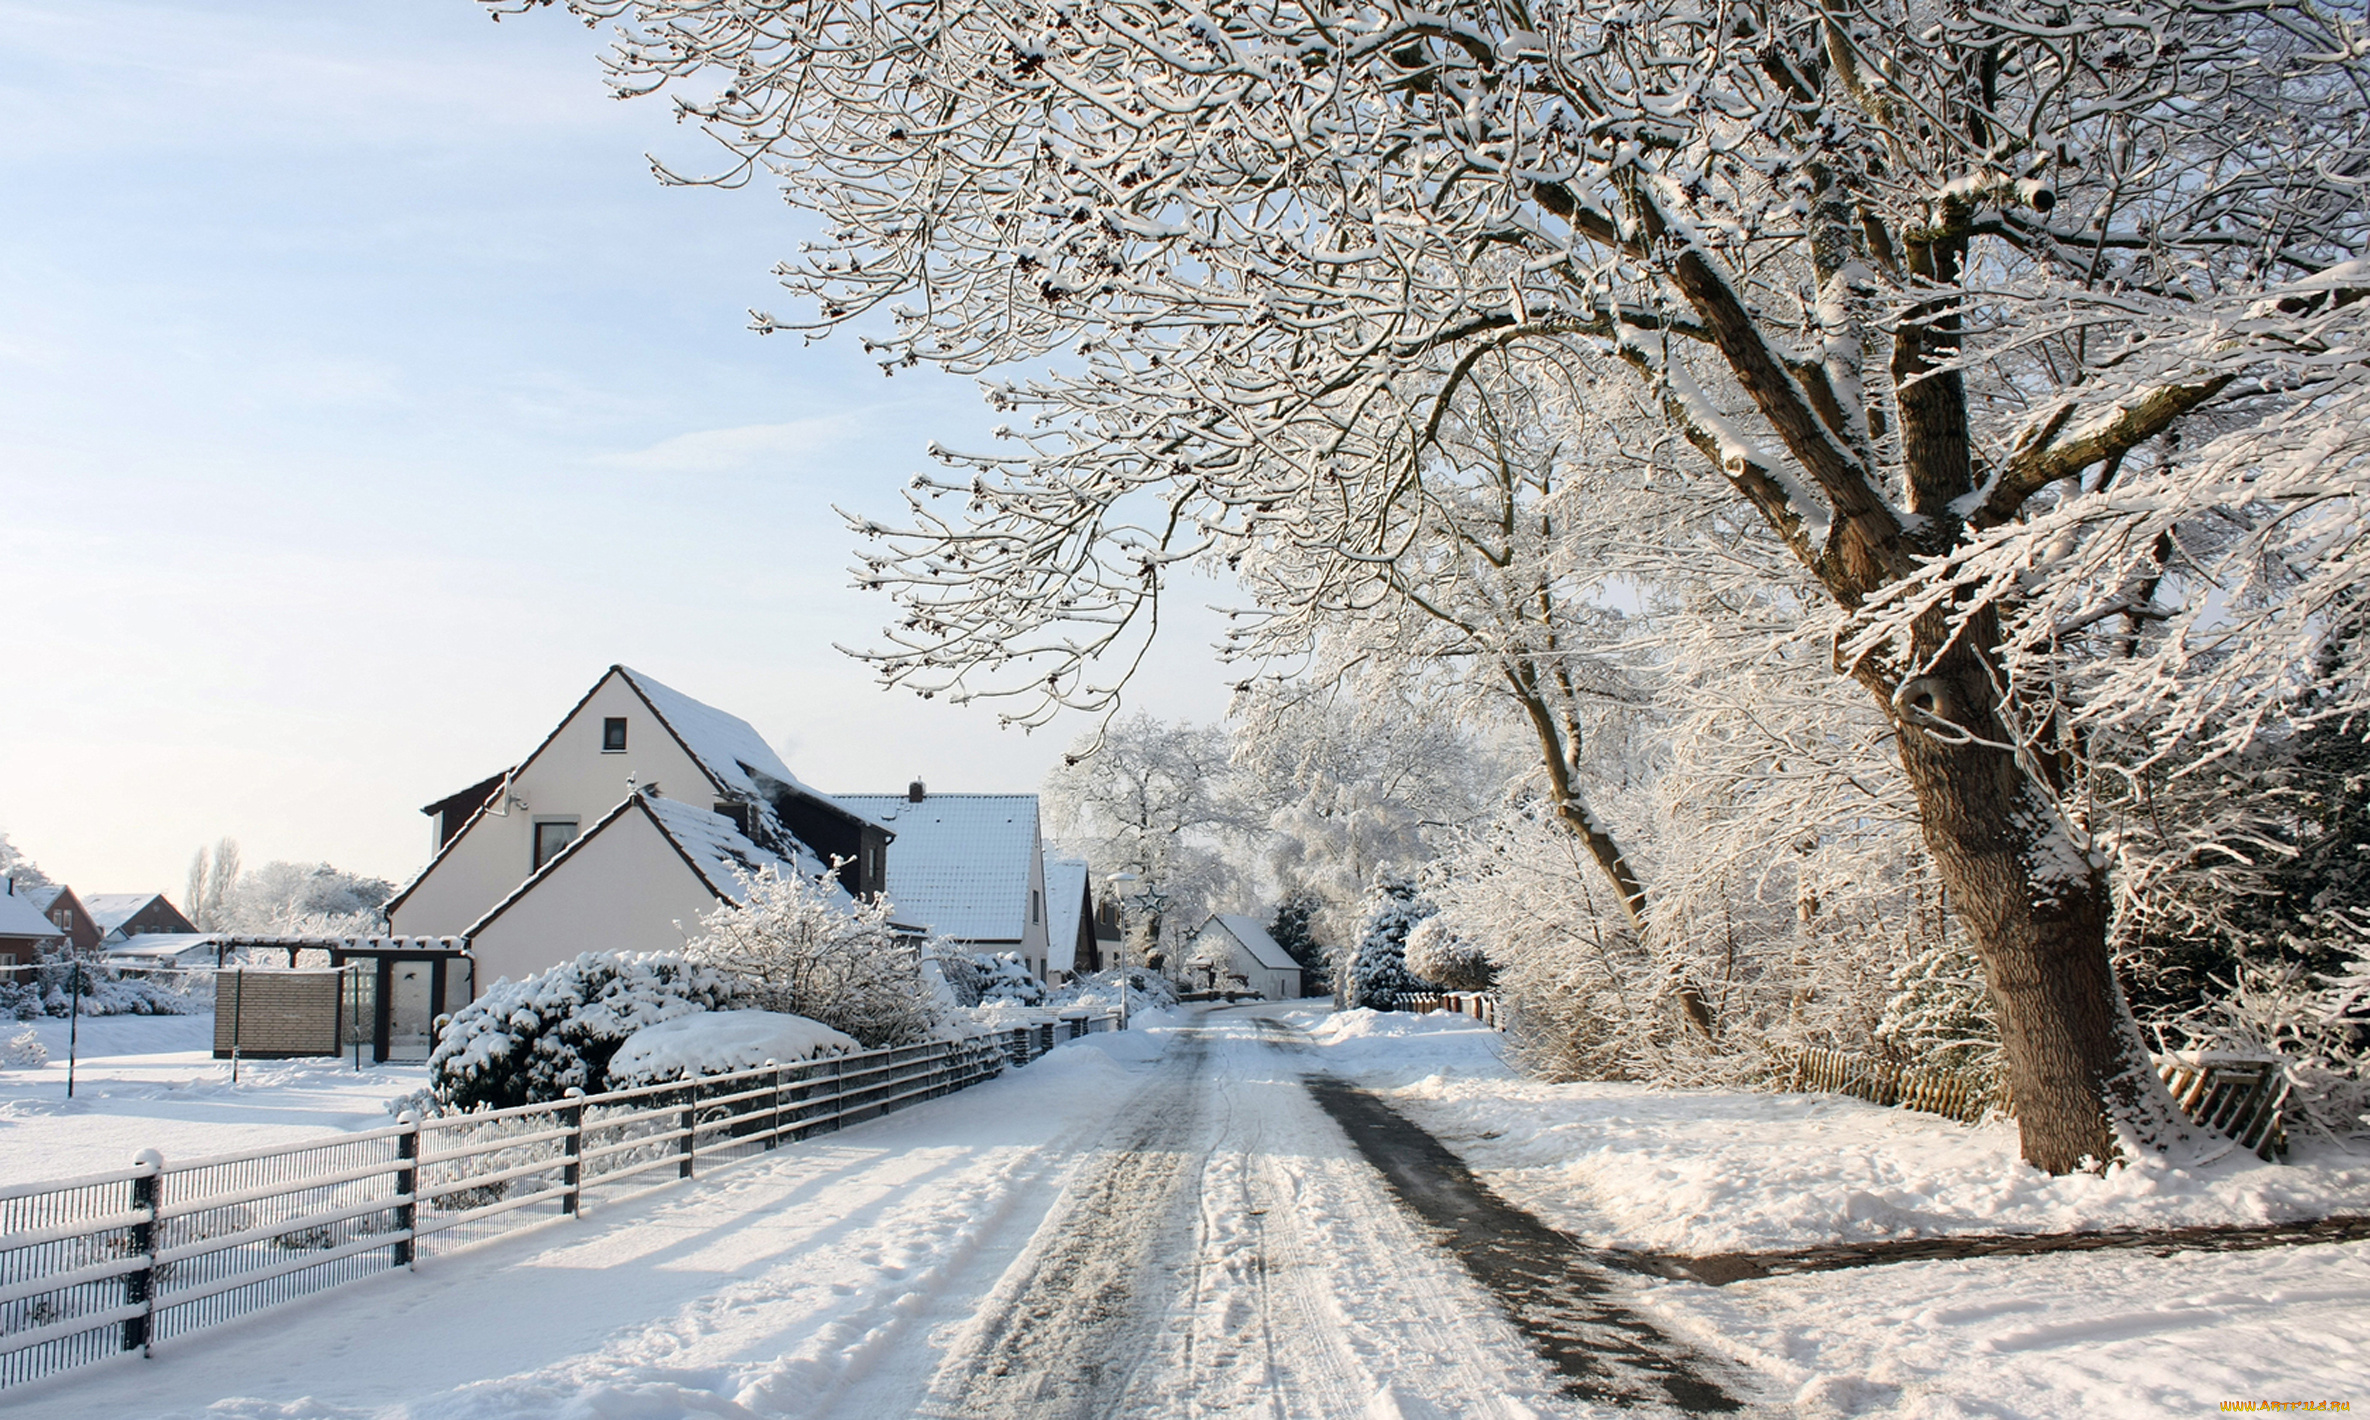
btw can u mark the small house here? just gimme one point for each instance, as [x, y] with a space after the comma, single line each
[1071, 947]
[120, 916]
[966, 867]
[59, 904]
[25, 935]
[1233, 952]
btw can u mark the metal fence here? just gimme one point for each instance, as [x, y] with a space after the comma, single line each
[117, 1262]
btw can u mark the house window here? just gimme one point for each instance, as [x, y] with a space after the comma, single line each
[613, 735]
[1036, 906]
[551, 835]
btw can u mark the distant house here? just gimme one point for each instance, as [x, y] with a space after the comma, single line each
[619, 830]
[59, 904]
[1231, 948]
[184, 950]
[967, 867]
[1071, 948]
[120, 916]
[25, 935]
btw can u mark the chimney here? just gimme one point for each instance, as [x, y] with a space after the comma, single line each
[915, 793]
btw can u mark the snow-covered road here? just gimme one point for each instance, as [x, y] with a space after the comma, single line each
[1156, 1223]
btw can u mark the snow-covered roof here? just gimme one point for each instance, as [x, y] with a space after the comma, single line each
[716, 848]
[111, 910]
[20, 918]
[1065, 903]
[41, 897]
[960, 865]
[1253, 935]
[728, 746]
[162, 945]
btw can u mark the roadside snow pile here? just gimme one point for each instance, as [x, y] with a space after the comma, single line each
[527, 1041]
[718, 1043]
[1716, 1170]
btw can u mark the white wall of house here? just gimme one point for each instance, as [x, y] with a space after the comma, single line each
[1034, 942]
[626, 889]
[571, 777]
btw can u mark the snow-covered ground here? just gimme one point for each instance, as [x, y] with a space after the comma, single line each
[152, 1082]
[2110, 1334]
[1708, 1171]
[1163, 1222]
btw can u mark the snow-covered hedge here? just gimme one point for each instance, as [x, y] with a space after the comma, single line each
[105, 992]
[533, 1040]
[719, 1043]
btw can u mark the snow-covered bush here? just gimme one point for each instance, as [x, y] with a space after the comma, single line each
[1437, 954]
[719, 1043]
[2319, 1026]
[527, 1041]
[964, 977]
[1378, 971]
[800, 946]
[1005, 980]
[1099, 991]
[105, 992]
[23, 1051]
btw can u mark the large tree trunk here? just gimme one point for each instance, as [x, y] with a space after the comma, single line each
[2037, 908]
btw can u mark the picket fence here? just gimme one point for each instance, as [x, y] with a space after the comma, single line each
[118, 1262]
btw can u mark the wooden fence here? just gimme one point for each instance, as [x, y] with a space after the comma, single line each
[118, 1262]
[2238, 1095]
[1480, 1005]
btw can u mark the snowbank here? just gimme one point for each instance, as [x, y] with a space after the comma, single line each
[718, 1043]
[1704, 1171]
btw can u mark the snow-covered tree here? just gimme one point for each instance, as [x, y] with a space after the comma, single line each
[15, 866]
[1290, 929]
[1157, 800]
[211, 881]
[797, 946]
[314, 899]
[1438, 955]
[1923, 285]
[1374, 973]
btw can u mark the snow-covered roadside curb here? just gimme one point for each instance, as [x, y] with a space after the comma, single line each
[1710, 1171]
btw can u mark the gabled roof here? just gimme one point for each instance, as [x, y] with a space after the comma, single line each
[1065, 907]
[1253, 935]
[960, 865]
[111, 910]
[20, 918]
[738, 762]
[708, 843]
[42, 897]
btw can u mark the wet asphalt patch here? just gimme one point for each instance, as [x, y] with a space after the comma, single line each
[1565, 1298]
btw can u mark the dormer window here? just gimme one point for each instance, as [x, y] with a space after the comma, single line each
[613, 735]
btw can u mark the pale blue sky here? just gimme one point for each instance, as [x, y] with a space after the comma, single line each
[362, 396]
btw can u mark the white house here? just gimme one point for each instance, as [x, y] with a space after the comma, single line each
[967, 867]
[1231, 947]
[619, 830]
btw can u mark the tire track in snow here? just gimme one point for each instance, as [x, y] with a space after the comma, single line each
[1231, 1255]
